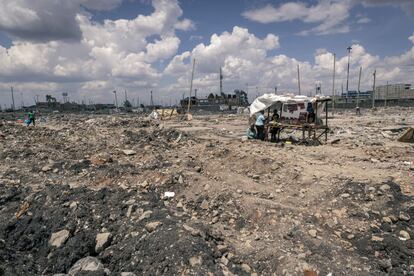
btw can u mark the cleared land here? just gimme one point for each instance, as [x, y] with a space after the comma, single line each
[239, 207]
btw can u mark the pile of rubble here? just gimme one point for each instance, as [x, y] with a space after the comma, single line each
[125, 195]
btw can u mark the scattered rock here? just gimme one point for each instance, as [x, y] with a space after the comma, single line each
[204, 205]
[404, 216]
[59, 238]
[102, 241]
[385, 187]
[246, 268]
[129, 152]
[150, 227]
[86, 264]
[313, 233]
[404, 235]
[145, 215]
[46, 168]
[195, 261]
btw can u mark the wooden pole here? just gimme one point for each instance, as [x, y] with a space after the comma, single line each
[359, 85]
[191, 87]
[299, 79]
[386, 95]
[333, 85]
[373, 90]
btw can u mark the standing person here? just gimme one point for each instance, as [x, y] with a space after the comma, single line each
[32, 118]
[260, 124]
[274, 129]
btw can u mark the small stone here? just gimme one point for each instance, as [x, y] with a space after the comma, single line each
[145, 215]
[86, 264]
[387, 220]
[102, 241]
[194, 232]
[404, 235]
[222, 248]
[73, 205]
[204, 205]
[144, 184]
[350, 236]
[345, 195]
[385, 187]
[239, 191]
[313, 233]
[256, 177]
[129, 152]
[128, 274]
[195, 261]
[59, 238]
[246, 268]
[404, 216]
[197, 169]
[152, 226]
[224, 260]
[46, 168]
[377, 239]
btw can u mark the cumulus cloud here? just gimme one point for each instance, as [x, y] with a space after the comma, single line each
[406, 5]
[108, 54]
[330, 15]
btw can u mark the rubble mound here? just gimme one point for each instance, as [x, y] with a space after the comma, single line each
[141, 236]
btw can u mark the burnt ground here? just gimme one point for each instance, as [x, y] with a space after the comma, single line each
[240, 207]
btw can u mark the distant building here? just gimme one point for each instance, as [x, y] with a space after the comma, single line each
[397, 91]
[214, 101]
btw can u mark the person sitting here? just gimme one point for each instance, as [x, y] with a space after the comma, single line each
[251, 132]
[260, 125]
[274, 129]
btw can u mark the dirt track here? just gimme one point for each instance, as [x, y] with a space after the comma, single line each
[240, 207]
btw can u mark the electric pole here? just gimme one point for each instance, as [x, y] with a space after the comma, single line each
[191, 86]
[333, 84]
[373, 90]
[359, 85]
[116, 101]
[298, 79]
[12, 96]
[386, 95]
[347, 74]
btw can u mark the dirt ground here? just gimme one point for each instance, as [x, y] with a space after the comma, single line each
[241, 207]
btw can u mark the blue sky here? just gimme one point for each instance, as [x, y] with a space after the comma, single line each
[89, 47]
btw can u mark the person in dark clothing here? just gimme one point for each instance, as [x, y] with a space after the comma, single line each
[274, 130]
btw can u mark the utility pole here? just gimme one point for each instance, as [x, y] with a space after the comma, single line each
[221, 82]
[116, 101]
[12, 96]
[195, 93]
[191, 86]
[152, 101]
[298, 79]
[333, 84]
[373, 90]
[347, 74]
[126, 96]
[275, 90]
[386, 95]
[359, 85]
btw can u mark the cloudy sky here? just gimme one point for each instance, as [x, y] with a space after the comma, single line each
[89, 48]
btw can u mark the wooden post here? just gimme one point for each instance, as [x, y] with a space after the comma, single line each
[191, 87]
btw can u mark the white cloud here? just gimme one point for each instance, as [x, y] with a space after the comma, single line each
[331, 15]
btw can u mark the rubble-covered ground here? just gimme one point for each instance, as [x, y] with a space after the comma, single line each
[86, 195]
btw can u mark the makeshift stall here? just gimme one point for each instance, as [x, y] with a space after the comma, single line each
[296, 114]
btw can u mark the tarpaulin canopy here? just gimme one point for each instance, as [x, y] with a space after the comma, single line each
[267, 100]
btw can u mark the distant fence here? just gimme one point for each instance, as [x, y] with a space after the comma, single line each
[368, 104]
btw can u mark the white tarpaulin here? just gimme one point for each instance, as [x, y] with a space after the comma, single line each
[267, 100]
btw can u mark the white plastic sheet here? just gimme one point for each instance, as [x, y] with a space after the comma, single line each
[267, 100]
